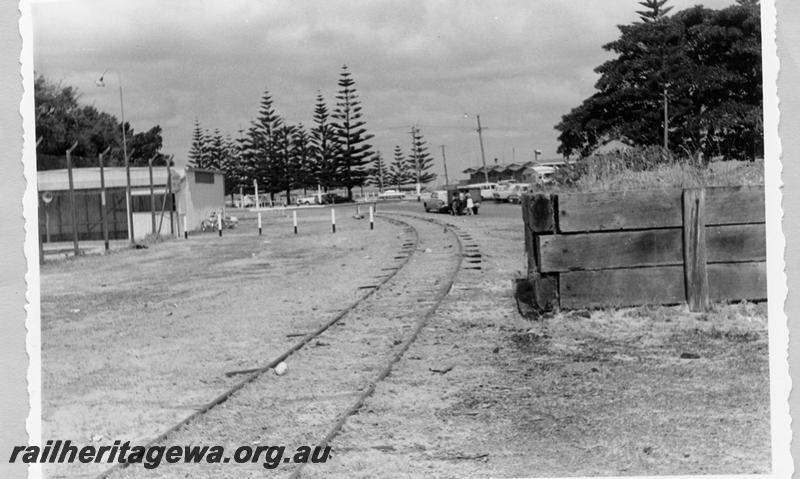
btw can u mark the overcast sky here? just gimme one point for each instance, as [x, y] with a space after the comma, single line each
[520, 65]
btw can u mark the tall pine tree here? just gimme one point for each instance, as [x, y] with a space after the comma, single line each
[378, 174]
[399, 174]
[420, 161]
[351, 137]
[323, 146]
[655, 10]
[198, 151]
[261, 147]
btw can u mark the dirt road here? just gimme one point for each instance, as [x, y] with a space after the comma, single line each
[135, 341]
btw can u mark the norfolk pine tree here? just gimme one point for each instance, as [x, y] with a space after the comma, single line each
[353, 152]
[399, 174]
[323, 146]
[420, 161]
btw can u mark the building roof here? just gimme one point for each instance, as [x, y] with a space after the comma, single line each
[89, 178]
[611, 146]
[513, 167]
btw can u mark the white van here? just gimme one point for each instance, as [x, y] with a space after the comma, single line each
[487, 189]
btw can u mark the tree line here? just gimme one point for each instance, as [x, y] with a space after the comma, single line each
[334, 152]
[696, 73]
[61, 120]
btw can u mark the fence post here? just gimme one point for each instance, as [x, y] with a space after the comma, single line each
[103, 215]
[73, 213]
[152, 198]
[694, 249]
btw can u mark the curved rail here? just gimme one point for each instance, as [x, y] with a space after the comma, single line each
[421, 323]
[256, 372]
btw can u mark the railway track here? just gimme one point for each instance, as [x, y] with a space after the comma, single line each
[333, 369]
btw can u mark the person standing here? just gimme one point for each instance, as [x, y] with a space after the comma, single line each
[470, 204]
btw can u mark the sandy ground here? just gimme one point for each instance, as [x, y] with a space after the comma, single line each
[136, 340]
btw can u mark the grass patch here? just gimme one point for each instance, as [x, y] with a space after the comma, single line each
[641, 168]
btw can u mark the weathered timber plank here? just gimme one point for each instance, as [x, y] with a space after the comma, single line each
[659, 285]
[735, 205]
[694, 249]
[609, 250]
[621, 287]
[538, 212]
[660, 247]
[642, 209]
[737, 281]
[619, 210]
[736, 243]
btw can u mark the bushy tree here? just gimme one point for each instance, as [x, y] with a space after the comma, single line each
[353, 151]
[705, 63]
[61, 120]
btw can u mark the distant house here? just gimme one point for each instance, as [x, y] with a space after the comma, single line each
[195, 193]
[521, 172]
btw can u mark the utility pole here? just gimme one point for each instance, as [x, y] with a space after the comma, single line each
[444, 160]
[666, 121]
[483, 155]
[416, 156]
[380, 172]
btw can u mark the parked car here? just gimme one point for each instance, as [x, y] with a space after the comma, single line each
[503, 190]
[391, 195]
[437, 202]
[333, 198]
[307, 200]
[516, 192]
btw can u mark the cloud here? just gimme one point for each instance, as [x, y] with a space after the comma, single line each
[520, 64]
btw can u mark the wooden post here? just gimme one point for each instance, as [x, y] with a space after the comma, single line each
[171, 198]
[103, 216]
[694, 249]
[72, 200]
[42, 207]
[152, 198]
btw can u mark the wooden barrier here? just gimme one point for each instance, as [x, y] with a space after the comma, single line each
[646, 247]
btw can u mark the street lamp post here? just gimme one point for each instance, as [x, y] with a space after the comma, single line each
[128, 199]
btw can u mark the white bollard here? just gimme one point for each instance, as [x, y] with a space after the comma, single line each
[185, 227]
[259, 223]
[294, 221]
[333, 220]
[219, 224]
[371, 224]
